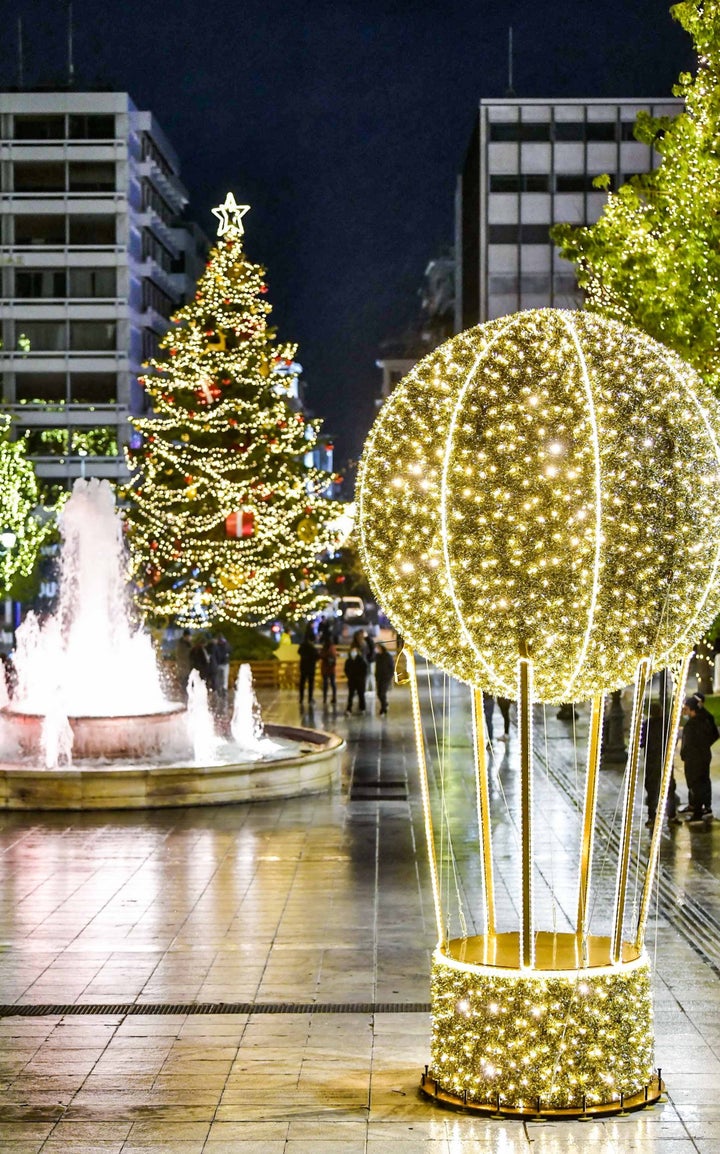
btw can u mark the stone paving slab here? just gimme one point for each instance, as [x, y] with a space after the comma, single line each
[316, 900]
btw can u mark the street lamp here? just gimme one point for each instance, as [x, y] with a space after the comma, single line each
[82, 454]
[8, 539]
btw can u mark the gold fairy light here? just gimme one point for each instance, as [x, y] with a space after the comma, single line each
[549, 478]
[537, 517]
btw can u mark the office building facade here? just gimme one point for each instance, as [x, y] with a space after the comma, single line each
[95, 259]
[531, 164]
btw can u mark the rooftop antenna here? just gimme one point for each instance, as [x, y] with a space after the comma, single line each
[20, 70]
[510, 91]
[71, 66]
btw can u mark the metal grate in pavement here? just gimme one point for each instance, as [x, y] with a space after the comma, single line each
[149, 1009]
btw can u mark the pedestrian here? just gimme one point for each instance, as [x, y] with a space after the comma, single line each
[183, 665]
[9, 675]
[328, 662]
[221, 650]
[200, 659]
[384, 669]
[652, 740]
[696, 744]
[504, 707]
[356, 673]
[308, 660]
[328, 629]
[488, 710]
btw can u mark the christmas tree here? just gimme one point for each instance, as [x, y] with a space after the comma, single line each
[22, 531]
[652, 260]
[227, 519]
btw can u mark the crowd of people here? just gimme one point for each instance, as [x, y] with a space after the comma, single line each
[368, 667]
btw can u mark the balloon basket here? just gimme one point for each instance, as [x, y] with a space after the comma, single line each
[572, 1036]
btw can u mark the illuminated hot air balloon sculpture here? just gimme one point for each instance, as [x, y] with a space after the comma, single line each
[537, 516]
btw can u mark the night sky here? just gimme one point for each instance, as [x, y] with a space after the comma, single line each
[343, 125]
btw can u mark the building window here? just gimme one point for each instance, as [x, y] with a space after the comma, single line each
[520, 182]
[519, 131]
[579, 182]
[92, 282]
[152, 199]
[43, 177]
[154, 298]
[91, 176]
[150, 344]
[152, 249]
[93, 388]
[92, 230]
[98, 441]
[39, 230]
[44, 442]
[39, 127]
[580, 130]
[519, 234]
[93, 336]
[92, 127]
[49, 283]
[41, 336]
[40, 387]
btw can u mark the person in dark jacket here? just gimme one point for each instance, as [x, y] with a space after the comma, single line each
[309, 657]
[384, 669]
[183, 659]
[328, 663]
[356, 668]
[200, 660]
[504, 707]
[652, 740]
[695, 751]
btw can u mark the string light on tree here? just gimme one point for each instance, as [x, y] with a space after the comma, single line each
[221, 492]
[652, 259]
[23, 533]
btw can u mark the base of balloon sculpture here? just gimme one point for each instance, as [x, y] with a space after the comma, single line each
[571, 1037]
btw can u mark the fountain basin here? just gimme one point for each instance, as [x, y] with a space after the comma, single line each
[313, 765]
[138, 735]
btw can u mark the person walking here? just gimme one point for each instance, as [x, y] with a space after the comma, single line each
[356, 672]
[384, 670]
[488, 701]
[652, 740]
[221, 651]
[308, 660]
[328, 662]
[696, 744]
[183, 663]
[200, 660]
[504, 707]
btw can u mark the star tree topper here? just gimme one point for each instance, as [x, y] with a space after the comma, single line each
[230, 215]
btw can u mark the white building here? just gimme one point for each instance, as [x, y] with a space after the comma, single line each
[530, 165]
[94, 260]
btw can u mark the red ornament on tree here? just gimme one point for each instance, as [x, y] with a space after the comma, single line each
[240, 524]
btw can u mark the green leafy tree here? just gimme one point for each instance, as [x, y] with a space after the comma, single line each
[652, 260]
[24, 526]
[227, 519]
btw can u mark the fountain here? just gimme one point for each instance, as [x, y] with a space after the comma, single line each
[90, 725]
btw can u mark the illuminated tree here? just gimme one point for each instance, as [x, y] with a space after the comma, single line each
[227, 520]
[652, 260]
[22, 531]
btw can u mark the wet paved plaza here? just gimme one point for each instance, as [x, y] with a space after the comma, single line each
[255, 978]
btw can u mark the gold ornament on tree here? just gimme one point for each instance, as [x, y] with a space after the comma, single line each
[537, 517]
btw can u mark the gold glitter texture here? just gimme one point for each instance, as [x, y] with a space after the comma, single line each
[552, 1036]
[545, 478]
